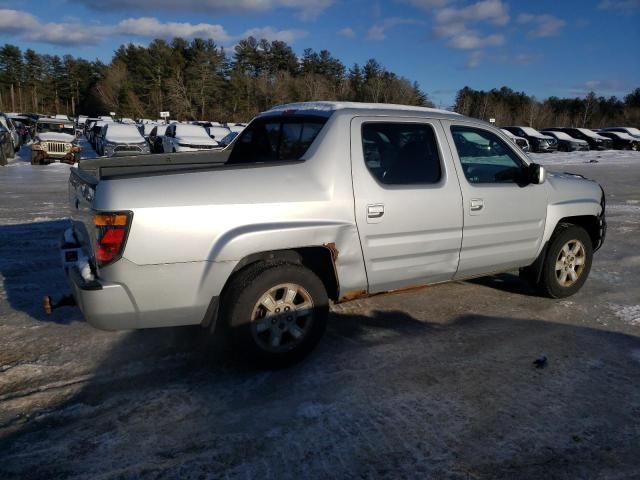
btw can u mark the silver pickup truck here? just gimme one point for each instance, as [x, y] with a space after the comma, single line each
[319, 202]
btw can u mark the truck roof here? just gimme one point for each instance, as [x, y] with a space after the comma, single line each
[328, 108]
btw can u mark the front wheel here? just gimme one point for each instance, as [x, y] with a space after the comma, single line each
[277, 312]
[567, 262]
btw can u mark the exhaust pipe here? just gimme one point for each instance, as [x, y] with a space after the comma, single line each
[65, 301]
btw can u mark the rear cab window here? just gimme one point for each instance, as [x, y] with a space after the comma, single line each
[398, 153]
[276, 139]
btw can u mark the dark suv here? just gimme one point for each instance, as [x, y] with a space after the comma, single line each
[538, 141]
[595, 141]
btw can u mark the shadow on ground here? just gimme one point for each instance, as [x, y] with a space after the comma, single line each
[384, 396]
[31, 268]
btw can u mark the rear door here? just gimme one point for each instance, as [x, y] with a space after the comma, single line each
[504, 216]
[408, 204]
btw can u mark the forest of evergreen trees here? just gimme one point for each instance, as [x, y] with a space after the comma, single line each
[193, 80]
[199, 80]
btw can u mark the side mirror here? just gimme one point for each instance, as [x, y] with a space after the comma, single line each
[537, 174]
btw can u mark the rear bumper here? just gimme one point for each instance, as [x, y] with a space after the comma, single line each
[128, 296]
[105, 305]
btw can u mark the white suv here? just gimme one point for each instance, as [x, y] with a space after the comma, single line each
[187, 138]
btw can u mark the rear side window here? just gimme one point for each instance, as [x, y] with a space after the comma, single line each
[276, 139]
[401, 153]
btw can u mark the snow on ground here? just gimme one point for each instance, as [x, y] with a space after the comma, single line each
[435, 383]
[606, 157]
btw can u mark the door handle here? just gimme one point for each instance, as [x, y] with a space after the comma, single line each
[477, 204]
[375, 211]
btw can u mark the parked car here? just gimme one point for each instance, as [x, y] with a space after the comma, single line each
[6, 145]
[55, 140]
[537, 141]
[156, 137]
[622, 140]
[60, 116]
[595, 141]
[28, 125]
[99, 138]
[567, 143]
[331, 206]
[634, 132]
[523, 143]
[94, 132]
[145, 129]
[90, 122]
[119, 139]
[7, 123]
[228, 139]
[218, 132]
[180, 137]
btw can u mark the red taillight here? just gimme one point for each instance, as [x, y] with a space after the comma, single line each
[111, 233]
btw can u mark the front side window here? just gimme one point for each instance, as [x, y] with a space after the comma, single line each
[275, 139]
[401, 153]
[485, 158]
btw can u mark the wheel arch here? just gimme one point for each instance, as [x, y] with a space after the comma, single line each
[320, 259]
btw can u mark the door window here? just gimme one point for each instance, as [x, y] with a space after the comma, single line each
[485, 158]
[401, 153]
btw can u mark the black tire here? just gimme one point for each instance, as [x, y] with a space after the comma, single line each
[575, 238]
[245, 315]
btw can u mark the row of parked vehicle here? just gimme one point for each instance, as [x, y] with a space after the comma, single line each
[112, 138]
[569, 139]
[17, 129]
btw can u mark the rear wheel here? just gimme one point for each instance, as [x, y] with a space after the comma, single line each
[277, 312]
[567, 262]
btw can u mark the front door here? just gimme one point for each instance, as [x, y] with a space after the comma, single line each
[504, 215]
[408, 205]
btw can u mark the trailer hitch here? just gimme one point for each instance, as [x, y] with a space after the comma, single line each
[65, 301]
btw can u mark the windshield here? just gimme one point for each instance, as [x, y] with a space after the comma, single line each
[55, 127]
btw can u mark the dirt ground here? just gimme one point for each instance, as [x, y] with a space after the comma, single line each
[435, 383]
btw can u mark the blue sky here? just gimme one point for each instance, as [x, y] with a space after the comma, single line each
[543, 47]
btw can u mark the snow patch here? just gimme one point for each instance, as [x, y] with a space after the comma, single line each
[629, 314]
[606, 157]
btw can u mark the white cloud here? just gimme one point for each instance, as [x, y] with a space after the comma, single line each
[471, 40]
[347, 32]
[151, 27]
[268, 33]
[544, 25]
[13, 21]
[474, 59]
[452, 24]
[619, 5]
[305, 8]
[379, 30]
[493, 11]
[427, 5]
[28, 27]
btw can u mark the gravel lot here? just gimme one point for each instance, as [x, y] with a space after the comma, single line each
[435, 383]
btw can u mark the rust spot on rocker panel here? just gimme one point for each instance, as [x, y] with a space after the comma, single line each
[356, 294]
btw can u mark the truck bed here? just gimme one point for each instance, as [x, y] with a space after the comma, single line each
[105, 168]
